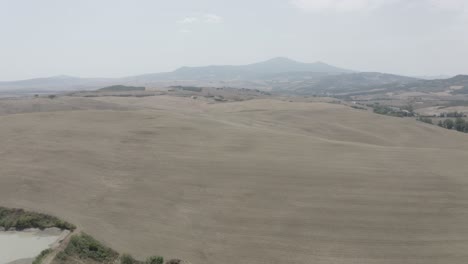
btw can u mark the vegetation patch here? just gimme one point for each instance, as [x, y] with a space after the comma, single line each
[155, 260]
[128, 259]
[392, 111]
[121, 88]
[88, 250]
[188, 88]
[459, 124]
[425, 120]
[41, 256]
[20, 219]
[358, 107]
[85, 247]
[452, 114]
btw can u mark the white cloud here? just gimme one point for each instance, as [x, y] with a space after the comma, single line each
[211, 18]
[202, 19]
[188, 20]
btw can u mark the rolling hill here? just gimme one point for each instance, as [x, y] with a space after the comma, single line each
[459, 82]
[364, 81]
[259, 181]
[454, 86]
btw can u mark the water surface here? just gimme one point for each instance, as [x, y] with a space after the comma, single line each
[24, 245]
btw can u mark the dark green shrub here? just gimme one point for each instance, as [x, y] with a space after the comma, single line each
[38, 259]
[460, 124]
[391, 111]
[448, 123]
[127, 259]
[425, 120]
[61, 256]
[155, 260]
[121, 88]
[86, 247]
[20, 219]
[358, 107]
[174, 261]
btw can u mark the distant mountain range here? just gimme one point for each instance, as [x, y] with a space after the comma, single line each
[345, 83]
[222, 73]
[433, 77]
[458, 84]
[56, 83]
[256, 71]
[278, 74]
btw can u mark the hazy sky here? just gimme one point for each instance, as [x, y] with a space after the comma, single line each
[107, 38]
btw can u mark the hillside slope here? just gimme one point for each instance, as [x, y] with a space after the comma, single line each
[345, 83]
[261, 181]
[440, 85]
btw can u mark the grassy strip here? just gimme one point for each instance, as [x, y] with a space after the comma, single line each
[89, 250]
[128, 259]
[41, 256]
[85, 247]
[20, 219]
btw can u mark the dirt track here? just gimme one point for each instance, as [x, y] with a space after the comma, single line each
[253, 182]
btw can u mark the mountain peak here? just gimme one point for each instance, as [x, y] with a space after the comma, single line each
[272, 66]
[281, 60]
[284, 64]
[63, 76]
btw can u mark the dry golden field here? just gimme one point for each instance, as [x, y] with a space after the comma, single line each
[257, 182]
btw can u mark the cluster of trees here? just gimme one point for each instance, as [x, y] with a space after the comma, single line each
[392, 111]
[358, 107]
[128, 259]
[425, 120]
[455, 120]
[452, 114]
[188, 88]
[459, 124]
[122, 88]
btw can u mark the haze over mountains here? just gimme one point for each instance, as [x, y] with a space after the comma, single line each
[277, 74]
[261, 70]
[258, 70]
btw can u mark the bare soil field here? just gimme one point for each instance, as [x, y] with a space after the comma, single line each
[259, 181]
